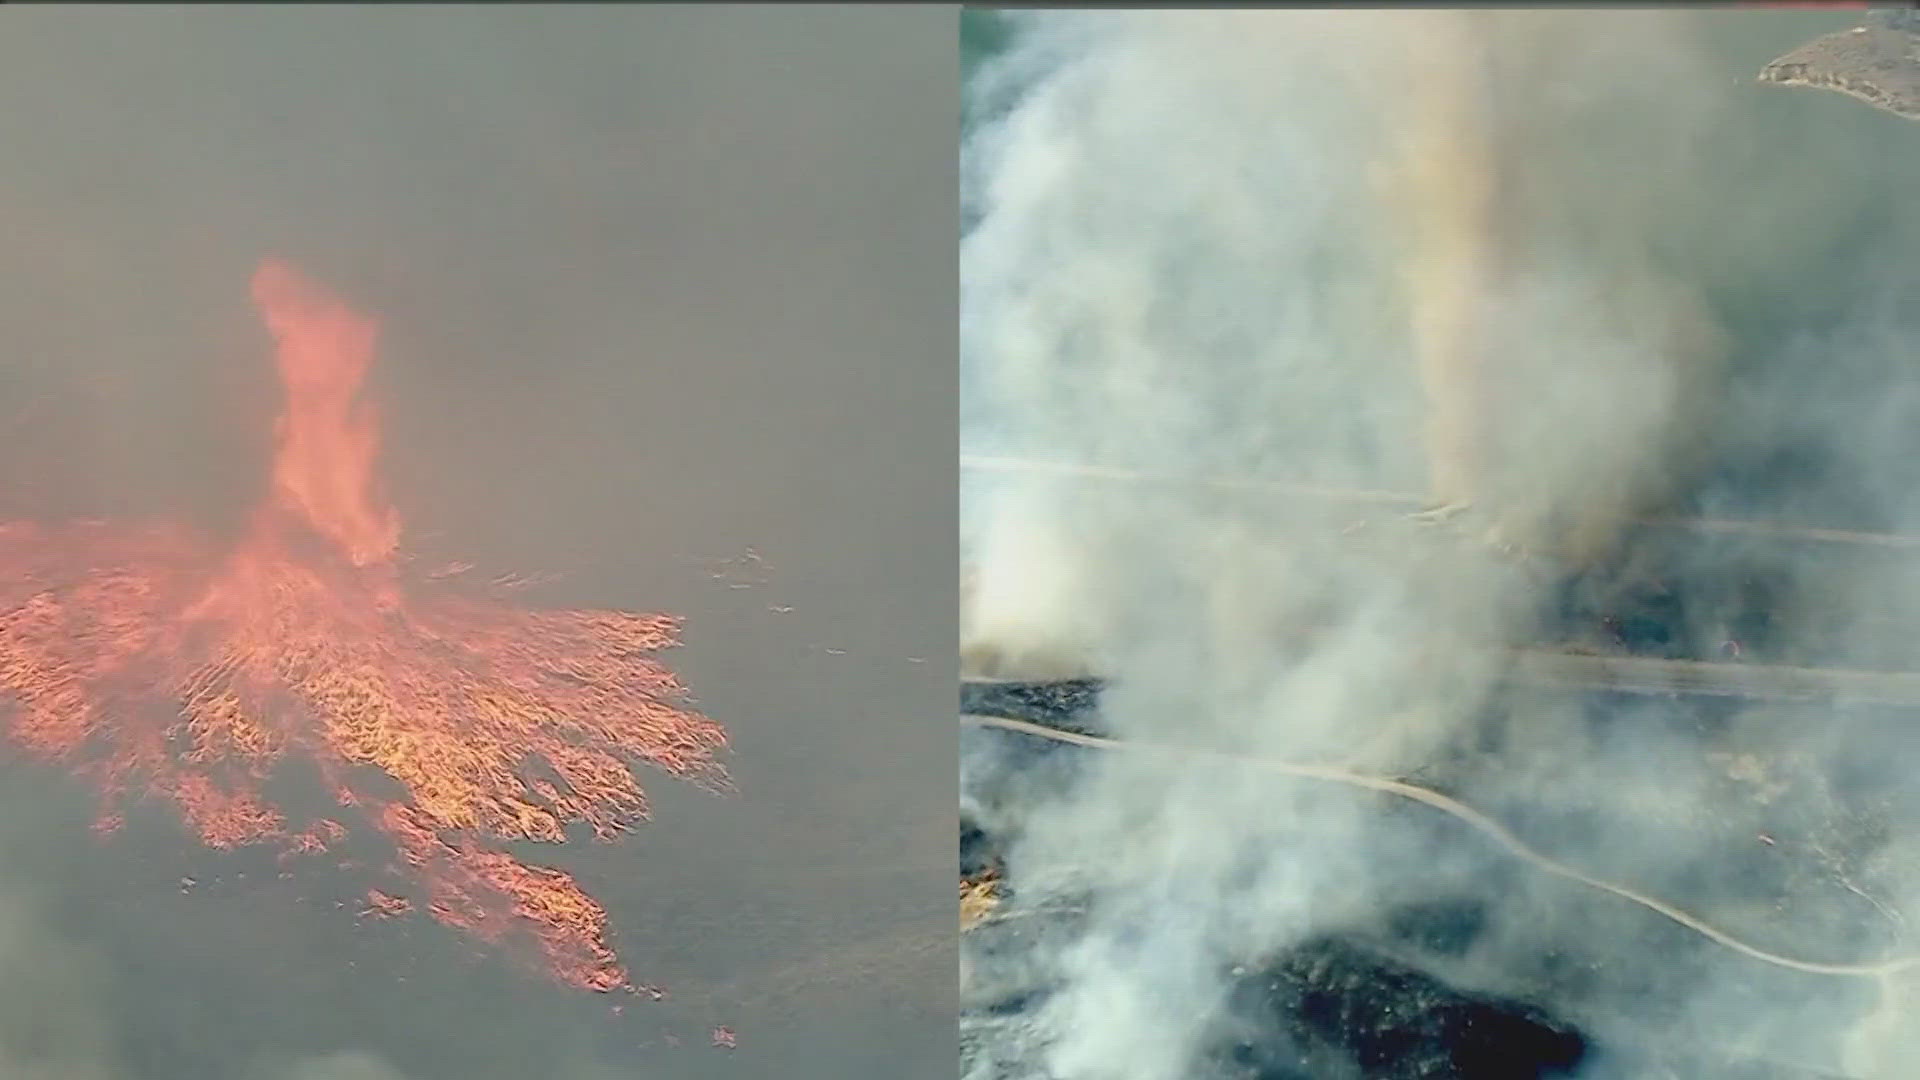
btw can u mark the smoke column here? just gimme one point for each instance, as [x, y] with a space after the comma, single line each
[1445, 178]
[1564, 267]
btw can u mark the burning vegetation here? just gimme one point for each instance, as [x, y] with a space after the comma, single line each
[156, 663]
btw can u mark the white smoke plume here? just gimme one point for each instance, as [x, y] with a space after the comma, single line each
[1559, 267]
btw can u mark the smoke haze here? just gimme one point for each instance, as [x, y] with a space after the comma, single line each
[631, 323]
[1559, 268]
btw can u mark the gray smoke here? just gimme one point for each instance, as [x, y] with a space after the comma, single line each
[1556, 266]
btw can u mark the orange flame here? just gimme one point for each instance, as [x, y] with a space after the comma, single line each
[385, 905]
[151, 666]
[328, 437]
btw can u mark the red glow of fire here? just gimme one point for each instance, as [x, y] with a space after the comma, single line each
[154, 663]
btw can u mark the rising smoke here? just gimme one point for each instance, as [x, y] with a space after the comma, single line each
[1559, 268]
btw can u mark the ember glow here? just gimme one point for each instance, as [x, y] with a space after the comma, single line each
[155, 663]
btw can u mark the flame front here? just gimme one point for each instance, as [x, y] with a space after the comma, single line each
[153, 665]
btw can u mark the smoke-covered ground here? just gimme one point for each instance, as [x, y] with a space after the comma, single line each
[632, 324]
[1561, 267]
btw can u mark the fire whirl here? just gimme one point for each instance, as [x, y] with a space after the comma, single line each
[155, 664]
